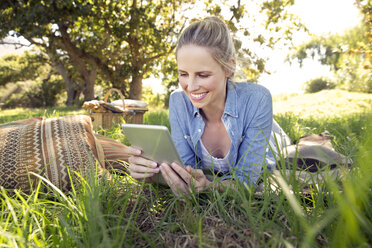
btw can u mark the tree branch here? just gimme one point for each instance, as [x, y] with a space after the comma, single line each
[159, 55]
[79, 55]
[19, 44]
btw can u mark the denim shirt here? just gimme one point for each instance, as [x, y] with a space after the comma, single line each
[248, 120]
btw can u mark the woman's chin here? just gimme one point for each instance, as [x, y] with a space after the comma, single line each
[199, 105]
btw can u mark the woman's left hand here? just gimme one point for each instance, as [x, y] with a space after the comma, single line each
[183, 180]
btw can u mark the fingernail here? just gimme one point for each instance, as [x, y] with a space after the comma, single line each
[154, 164]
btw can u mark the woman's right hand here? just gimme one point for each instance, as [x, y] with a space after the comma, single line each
[142, 168]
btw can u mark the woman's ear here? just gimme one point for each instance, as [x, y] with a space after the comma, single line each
[231, 70]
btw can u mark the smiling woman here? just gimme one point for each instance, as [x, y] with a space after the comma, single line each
[216, 124]
[202, 79]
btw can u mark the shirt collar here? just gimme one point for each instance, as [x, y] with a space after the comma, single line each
[231, 102]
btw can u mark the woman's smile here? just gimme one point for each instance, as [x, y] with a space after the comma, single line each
[198, 96]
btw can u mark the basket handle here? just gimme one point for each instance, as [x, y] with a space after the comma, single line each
[116, 90]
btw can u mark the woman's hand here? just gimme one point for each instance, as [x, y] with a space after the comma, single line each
[185, 180]
[141, 168]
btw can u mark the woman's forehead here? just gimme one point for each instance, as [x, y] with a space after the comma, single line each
[192, 56]
[193, 50]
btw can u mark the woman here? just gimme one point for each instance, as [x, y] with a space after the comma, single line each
[215, 123]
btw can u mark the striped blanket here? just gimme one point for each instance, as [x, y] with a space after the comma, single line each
[47, 147]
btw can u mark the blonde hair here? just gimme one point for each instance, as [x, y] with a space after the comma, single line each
[211, 33]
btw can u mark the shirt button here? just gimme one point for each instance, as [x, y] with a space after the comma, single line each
[185, 137]
[199, 130]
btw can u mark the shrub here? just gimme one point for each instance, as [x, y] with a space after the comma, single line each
[46, 93]
[153, 100]
[318, 84]
[43, 93]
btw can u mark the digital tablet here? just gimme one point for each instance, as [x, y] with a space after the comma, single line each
[155, 142]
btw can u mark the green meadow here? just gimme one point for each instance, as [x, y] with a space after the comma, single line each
[122, 212]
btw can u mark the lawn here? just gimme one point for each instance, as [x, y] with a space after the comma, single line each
[125, 213]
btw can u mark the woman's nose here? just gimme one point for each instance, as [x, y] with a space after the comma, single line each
[192, 84]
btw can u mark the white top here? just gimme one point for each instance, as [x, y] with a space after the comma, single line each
[216, 164]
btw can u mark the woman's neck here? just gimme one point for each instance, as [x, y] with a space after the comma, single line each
[213, 113]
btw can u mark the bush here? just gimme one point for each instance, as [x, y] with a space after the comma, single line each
[318, 84]
[44, 93]
[153, 100]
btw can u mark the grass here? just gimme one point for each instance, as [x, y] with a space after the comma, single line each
[124, 213]
[323, 104]
[9, 115]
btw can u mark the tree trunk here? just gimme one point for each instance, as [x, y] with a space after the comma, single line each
[85, 64]
[72, 88]
[135, 91]
[89, 77]
[73, 93]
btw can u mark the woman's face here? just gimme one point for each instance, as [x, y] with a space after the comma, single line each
[201, 77]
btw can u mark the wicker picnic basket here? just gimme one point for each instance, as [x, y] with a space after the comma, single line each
[130, 114]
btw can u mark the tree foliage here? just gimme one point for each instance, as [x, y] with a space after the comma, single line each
[14, 68]
[348, 55]
[119, 43]
[120, 40]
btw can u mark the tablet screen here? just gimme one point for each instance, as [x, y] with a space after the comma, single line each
[154, 140]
